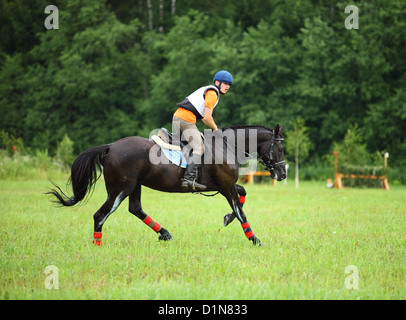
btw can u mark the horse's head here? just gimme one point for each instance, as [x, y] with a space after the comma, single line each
[271, 154]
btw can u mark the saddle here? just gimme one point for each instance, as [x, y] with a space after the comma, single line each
[168, 140]
[178, 152]
[165, 139]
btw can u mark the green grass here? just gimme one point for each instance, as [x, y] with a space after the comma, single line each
[311, 235]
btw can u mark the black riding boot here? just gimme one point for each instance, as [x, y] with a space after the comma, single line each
[188, 181]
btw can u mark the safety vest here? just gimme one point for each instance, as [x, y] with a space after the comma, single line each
[195, 101]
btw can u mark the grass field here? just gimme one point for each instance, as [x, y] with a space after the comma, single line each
[312, 234]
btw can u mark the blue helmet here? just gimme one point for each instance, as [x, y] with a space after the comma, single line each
[223, 76]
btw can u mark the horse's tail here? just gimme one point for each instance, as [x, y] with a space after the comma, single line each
[83, 175]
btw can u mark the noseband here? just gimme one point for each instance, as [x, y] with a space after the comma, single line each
[270, 164]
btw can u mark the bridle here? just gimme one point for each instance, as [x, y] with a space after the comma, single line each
[270, 164]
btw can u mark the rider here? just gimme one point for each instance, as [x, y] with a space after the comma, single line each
[199, 105]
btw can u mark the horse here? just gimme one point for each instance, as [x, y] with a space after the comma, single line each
[126, 165]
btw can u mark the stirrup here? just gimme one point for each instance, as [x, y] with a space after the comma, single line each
[193, 185]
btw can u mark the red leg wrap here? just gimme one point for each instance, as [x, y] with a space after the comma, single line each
[157, 227]
[97, 239]
[147, 220]
[152, 224]
[247, 230]
[242, 199]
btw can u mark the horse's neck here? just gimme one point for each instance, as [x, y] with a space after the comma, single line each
[250, 140]
[255, 138]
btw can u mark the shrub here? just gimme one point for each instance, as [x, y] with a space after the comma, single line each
[64, 152]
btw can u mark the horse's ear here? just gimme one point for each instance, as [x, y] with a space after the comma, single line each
[277, 130]
[280, 129]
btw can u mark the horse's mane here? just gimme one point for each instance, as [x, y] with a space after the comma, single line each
[249, 126]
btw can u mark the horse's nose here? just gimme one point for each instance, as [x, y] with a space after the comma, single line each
[283, 176]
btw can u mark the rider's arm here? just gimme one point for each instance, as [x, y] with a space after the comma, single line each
[208, 119]
[209, 102]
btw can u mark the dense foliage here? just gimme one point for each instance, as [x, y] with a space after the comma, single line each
[118, 68]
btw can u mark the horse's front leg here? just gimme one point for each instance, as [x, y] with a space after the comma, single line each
[229, 217]
[233, 199]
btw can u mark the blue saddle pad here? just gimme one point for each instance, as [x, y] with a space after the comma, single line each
[174, 157]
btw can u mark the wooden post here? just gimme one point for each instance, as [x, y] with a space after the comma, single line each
[337, 177]
[385, 183]
[251, 178]
[385, 164]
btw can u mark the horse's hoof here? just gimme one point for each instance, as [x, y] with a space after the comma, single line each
[228, 218]
[256, 242]
[165, 236]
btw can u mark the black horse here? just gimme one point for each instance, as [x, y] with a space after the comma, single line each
[126, 165]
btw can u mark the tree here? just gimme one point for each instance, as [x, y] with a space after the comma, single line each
[354, 158]
[64, 152]
[187, 51]
[352, 149]
[108, 71]
[298, 144]
[387, 127]
[84, 80]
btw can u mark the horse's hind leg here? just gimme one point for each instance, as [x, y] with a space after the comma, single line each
[229, 217]
[136, 209]
[103, 213]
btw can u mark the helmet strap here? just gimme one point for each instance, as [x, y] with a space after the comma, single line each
[218, 87]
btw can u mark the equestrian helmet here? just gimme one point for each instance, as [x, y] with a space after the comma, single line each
[223, 76]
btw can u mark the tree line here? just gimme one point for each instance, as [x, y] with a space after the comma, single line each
[118, 68]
